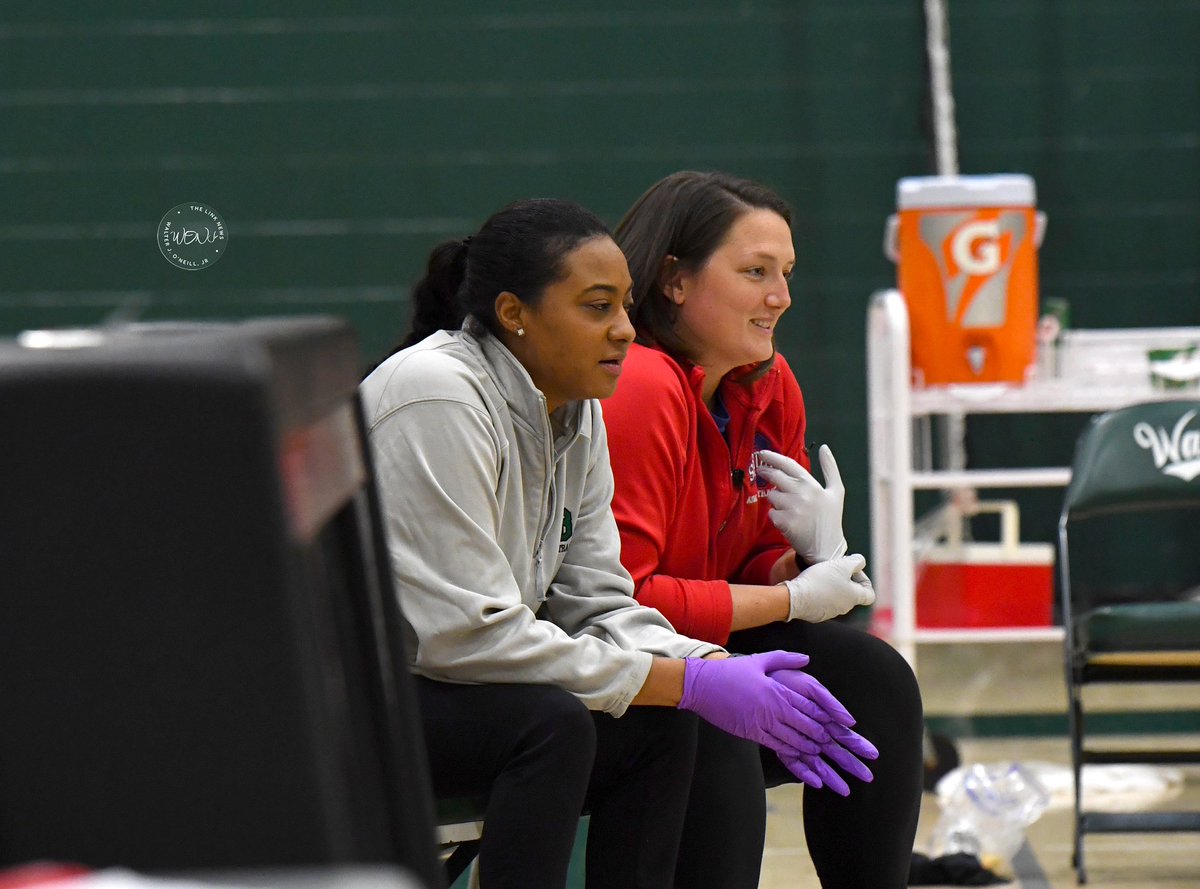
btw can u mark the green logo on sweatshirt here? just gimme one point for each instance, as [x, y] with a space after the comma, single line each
[568, 528]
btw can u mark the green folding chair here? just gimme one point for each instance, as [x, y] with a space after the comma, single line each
[1135, 489]
[459, 829]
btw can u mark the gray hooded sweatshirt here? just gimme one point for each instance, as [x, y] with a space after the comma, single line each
[504, 550]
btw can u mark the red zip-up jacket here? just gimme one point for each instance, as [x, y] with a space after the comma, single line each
[691, 514]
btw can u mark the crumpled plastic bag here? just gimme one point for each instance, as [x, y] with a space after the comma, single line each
[985, 809]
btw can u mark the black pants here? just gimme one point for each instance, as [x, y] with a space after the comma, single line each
[541, 758]
[863, 841]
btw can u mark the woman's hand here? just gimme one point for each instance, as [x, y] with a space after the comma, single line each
[830, 588]
[766, 698]
[808, 515]
[846, 748]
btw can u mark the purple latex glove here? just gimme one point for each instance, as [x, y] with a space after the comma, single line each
[846, 748]
[823, 706]
[738, 696]
[808, 766]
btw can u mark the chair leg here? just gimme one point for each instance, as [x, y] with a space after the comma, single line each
[1075, 727]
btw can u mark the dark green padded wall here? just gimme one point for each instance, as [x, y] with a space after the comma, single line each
[341, 141]
[1100, 102]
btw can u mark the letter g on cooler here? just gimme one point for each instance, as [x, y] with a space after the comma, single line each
[975, 247]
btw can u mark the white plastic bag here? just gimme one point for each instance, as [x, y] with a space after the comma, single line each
[985, 809]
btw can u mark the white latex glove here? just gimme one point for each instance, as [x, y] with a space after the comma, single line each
[808, 515]
[829, 588]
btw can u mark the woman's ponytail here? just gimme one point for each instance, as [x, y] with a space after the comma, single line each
[435, 299]
[520, 249]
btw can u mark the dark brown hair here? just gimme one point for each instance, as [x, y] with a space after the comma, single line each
[520, 248]
[687, 215]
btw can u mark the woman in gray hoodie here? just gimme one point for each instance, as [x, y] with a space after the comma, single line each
[492, 463]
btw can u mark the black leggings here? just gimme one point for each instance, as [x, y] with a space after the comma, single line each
[863, 841]
[541, 758]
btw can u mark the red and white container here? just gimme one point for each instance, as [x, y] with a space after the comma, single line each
[977, 584]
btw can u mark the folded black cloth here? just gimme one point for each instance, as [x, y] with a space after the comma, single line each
[959, 869]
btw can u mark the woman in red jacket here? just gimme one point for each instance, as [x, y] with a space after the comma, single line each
[728, 535]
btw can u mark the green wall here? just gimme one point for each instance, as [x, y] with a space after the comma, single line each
[1100, 102]
[340, 145]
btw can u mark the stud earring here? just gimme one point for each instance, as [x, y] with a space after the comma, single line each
[520, 331]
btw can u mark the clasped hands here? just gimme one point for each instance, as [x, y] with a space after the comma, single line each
[810, 517]
[767, 698]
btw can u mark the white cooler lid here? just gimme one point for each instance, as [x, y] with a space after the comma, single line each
[994, 190]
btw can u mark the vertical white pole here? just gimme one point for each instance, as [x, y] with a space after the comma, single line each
[937, 46]
[945, 137]
[889, 371]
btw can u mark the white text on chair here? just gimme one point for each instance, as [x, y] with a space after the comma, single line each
[1177, 453]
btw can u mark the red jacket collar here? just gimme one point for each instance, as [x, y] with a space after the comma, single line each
[754, 397]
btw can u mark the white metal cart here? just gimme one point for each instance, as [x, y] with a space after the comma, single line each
[1090, 371]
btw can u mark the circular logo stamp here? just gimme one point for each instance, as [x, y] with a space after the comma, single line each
[192, 236]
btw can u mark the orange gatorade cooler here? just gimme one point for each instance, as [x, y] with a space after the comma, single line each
[965, 248]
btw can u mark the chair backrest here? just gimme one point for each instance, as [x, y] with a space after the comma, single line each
[201, 661]
[1135, 486]
[1139, 457]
